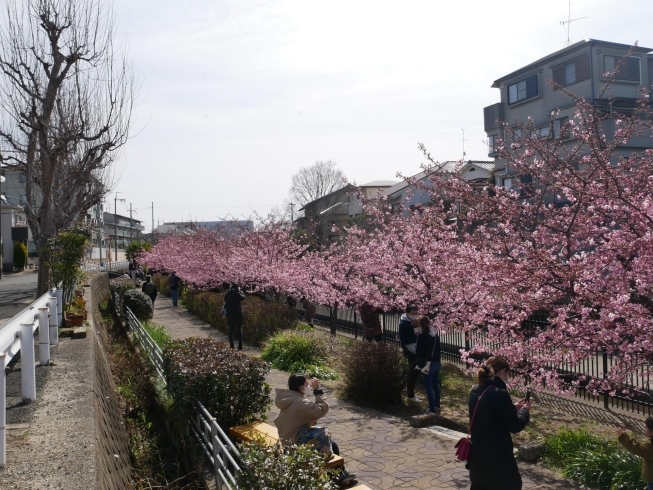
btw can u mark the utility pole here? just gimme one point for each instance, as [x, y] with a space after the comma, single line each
[131, 223]
[464, 154]
[115, 225]
[152, 221]
[99, 223]
[292, 212]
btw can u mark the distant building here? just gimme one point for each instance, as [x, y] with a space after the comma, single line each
[337, 208]
[229, 226]
[121, 231]
[404, 195]
[580, 69]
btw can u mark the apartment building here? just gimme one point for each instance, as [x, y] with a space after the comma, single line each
[580, 68]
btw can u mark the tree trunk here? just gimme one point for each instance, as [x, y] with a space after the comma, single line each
[333, 319]
[44, 270]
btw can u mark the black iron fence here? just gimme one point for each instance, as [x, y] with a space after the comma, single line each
[453, 341]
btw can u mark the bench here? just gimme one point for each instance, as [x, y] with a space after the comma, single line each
[270, 435]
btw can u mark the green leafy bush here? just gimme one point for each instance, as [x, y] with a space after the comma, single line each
[261, 318]
[278, 468]
[158, 333]
[593, 461]
[161, 283]
[230, 384]
[120, 285]
[139, 303]
[20, 255]
[297, 351]
[374, 373]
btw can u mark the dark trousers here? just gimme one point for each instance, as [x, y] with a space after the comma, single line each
[413, 374]
[335, 448]
[239, 335]
[376, 338]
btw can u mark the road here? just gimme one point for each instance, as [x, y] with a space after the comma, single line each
[16, 292]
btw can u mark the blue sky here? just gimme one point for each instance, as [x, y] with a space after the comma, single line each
[236, 96]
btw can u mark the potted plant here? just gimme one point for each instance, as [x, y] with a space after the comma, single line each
[76, 312]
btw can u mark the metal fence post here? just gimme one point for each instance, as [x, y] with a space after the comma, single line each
[216, 463]
[59, 294]
[3, 412]
[605, 375]
[27, 367]
[44, 336]
[54, 327]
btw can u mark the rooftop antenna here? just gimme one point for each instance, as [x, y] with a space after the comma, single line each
[464, 154]
[568, 23]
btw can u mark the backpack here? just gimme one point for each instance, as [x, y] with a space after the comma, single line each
[149, 288]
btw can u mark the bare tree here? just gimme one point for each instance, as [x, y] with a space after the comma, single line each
[316, 181]
[66, 98]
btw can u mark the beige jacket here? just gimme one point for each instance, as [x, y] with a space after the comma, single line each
[297, 411]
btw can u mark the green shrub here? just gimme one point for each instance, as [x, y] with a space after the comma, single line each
[374, 373]
[261, 318]
[20, 255]
[120, 285]
[139, 303]
[158, 333]
[296, 351]
[592, 461]
[230, 384]
[278, 468]
[161, 283]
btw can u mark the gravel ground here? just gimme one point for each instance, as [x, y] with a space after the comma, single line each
[50, 443]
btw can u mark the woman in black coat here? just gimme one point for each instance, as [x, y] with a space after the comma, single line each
[492, 465]
[234, 313]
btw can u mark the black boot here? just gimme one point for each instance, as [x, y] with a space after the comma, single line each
[231, 344]
[346, 478]
[240, 346]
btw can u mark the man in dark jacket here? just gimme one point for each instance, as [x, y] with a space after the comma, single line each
[234, 314]
[408, 340]
[372, 329]
[493, 465]
[173, 282]
[149, 288]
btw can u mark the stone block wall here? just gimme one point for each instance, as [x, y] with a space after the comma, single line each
[112, 441]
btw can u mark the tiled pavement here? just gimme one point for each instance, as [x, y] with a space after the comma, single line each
[385, 451]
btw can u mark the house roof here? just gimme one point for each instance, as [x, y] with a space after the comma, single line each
[564, 51]
[449, 166]
[379, 183]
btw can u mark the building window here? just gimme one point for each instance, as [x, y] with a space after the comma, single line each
[522, 90]
[629, 70]
[561, 128]
[22, 199]
[543, 132]
[507, 183]
[571, 72]
[493, 143]
[21, 177]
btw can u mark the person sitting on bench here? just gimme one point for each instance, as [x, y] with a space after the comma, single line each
[298, 411]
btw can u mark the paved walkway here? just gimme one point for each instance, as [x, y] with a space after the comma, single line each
[385, 451]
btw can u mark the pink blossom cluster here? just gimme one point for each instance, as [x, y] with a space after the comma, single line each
[572, 242]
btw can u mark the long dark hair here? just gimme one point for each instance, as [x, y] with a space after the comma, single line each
[295, 381]
[424, 323]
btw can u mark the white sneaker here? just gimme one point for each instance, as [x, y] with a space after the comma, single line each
[414, 399]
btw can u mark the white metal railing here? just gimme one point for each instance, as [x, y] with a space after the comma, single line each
[17, 335]
[111, 266]
[216, 445]
[151, 348]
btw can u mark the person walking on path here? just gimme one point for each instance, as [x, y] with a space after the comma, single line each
[372, 329]
[309, 310]
[428, 360]
[492, 418]
[299, 413]
[408, 341]
[173, 282]
[234, 314]
[642, 449]
[149, 288]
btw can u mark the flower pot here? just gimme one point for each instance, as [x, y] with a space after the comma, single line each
[73, 320]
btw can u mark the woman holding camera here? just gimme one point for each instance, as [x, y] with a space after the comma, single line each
[493, 417]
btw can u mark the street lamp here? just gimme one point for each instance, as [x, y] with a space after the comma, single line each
[115, 225]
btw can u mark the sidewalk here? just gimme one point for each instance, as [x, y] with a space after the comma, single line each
[385, 451]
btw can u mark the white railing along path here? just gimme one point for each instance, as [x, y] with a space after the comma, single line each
[17, 335]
